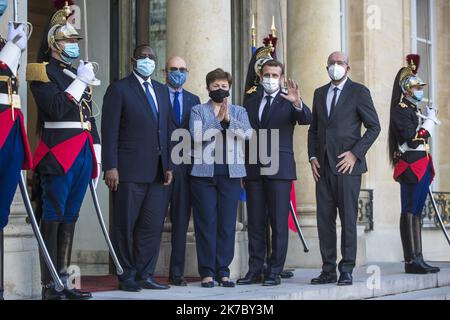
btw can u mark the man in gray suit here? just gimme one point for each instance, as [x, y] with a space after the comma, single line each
[337, 155]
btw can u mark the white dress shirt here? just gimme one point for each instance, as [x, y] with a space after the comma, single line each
[150, 88]
[264, 101]
[330, 94]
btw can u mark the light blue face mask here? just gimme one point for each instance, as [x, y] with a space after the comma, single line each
[418, 95]
[3, 6]
[145, 67]
[71, 52]
[177, 78]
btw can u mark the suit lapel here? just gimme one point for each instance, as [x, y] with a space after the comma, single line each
[186, 107]
[323, 101]
[275, 102]
[172, 113]
[134, 83]
[161, 107]
[255, 107]
[342, 98]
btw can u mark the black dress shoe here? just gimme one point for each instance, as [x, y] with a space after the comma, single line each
[152, 284]
[225, 284]
[51, 294]
[287, 274]
[345, 279]
[209, 284]
[325, 278]
[178, 281]
[74, 294]
[250, 278]
[272, 280]
[129, 286]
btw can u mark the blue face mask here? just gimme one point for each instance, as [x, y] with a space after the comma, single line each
[418, 95]
[3, 6]
[71, 52]
[177, 78]
[145, 67]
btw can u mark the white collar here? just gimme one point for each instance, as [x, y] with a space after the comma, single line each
[273, 95]
[340, 86]
[142, 81]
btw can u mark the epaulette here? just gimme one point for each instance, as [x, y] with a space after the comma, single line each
[403, 105]
[37, 72]
[252, 90]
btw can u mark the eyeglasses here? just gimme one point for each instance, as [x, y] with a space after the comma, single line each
[174, 69]
[144, 56]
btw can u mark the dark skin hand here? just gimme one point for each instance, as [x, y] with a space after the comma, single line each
[112, 179]
[169, 178]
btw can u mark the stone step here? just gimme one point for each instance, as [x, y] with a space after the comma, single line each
[392, 281]
[429, 294]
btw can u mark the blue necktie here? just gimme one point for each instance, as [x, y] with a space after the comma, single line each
[150, 100]
[177, 108]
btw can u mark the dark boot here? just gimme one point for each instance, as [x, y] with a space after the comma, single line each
[49, 232]
[412, 265]
[2, 265]
[418, 246]
[65, 242]
[407, 255]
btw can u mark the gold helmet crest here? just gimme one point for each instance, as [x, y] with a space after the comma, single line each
[61, 28]
[408, 76]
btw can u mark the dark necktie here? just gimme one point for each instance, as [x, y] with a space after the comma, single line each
[333, 102]
[150, 100]
[266, 110]
[177, 108]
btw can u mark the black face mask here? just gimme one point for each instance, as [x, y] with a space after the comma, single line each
[219, 95]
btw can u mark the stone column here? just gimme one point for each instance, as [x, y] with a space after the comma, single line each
[313, 32]
[200, 32]
[379, 41]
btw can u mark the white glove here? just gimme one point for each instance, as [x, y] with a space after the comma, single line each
[429, 126]
[17, 35]
[85, 72]
[98, 156]
[95, 180]
[431, 114]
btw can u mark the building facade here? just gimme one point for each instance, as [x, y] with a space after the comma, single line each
[376, 34]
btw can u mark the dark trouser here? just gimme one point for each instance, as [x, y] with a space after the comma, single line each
[215, 202]
[414, 195]
[270, 197]
[335, 192]
[62, 196]
[139, 210]
[180, 213]
[11, 160]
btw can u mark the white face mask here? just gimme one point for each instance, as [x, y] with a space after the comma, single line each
[270, 85]
[336, 72]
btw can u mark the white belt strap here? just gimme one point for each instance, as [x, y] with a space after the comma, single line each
[6, 100]
[404, 148]
[68, 125]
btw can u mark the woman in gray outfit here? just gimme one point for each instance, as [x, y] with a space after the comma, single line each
[219, 131]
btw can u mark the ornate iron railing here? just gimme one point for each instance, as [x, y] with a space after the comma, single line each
[365, 209]
[443, 203]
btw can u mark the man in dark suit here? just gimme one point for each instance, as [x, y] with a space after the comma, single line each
[136, 128]
[337, 155]
[179, 195]
[268, 185]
